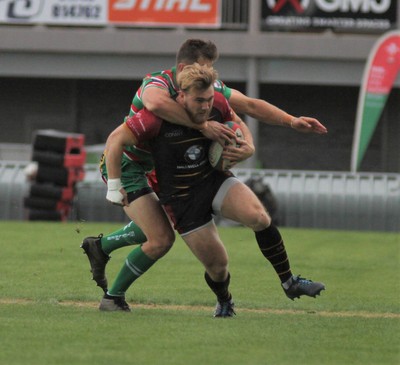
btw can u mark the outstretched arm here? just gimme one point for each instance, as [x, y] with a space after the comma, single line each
[159, 102]
[267, 113]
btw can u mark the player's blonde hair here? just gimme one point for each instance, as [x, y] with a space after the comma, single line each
[197, 77]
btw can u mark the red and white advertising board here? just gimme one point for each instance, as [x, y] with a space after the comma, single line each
[189, 13]
[141, 13]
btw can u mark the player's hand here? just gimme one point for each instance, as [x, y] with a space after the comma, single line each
[116, 194]
[235, 154]
[308, 125]
[218, 132]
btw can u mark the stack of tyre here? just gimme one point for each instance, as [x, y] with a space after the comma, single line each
[60, 158]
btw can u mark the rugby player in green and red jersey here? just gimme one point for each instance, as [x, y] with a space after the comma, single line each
[138, 174]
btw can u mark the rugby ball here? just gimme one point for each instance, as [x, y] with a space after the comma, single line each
[215, 151]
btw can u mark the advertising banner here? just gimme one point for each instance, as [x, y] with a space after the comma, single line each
[339, 15]
[191, 13]
[380, 73]
[63, 12]
[142, 13]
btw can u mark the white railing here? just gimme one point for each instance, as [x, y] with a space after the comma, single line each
[310, 199]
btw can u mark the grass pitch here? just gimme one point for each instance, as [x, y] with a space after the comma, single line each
[49, 315]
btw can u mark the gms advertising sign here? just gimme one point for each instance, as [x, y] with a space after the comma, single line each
[339, 15]
[141, 13]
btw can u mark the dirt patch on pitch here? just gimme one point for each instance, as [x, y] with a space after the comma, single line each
[341, 314]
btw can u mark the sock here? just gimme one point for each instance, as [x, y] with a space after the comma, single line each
[131, 234]
[136, 264]
[220, 289]
[288, 283]
[272, 247]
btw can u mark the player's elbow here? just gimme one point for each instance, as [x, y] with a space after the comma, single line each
[109, 144]
[156, 105]
[112, 138]
[116, 139]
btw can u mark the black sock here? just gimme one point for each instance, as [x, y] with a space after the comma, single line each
[272, 247]
[220, 289]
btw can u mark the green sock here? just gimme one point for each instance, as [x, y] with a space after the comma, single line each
[136, 264]
[131, 234]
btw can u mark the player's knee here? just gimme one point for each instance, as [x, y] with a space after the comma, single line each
[258, 220]
[166, 242]
[160, 245]
[218, 270]
[169, 238]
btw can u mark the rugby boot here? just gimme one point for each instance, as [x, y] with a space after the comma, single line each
[97, 259]
[224, 309]
[301, 286]
[112, 304]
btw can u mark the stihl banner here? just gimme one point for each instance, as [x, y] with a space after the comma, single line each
[191, 13]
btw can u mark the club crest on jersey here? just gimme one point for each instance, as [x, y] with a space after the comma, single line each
[194, 153]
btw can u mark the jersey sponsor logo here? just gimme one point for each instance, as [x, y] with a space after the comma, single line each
[175, 133]
[193, 154]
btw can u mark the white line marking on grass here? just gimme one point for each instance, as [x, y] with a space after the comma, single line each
[341, 314]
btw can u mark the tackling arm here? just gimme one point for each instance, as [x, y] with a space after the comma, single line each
[161, 104]
[116, 141]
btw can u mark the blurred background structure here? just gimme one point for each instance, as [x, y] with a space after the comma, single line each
[74, 65]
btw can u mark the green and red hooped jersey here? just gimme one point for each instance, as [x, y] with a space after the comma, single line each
[166, 80]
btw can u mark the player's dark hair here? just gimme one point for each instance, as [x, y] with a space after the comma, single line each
[194, 49]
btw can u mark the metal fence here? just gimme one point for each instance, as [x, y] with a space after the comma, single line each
[13, 189]
[333, 200]
[309, 199]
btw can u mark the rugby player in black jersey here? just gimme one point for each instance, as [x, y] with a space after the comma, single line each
[192, 191]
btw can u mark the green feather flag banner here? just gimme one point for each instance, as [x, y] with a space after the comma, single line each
[380, 73]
